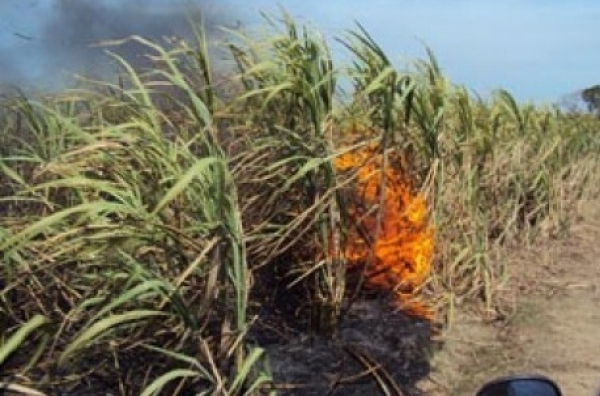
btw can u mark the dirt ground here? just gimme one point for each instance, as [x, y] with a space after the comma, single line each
[550, 320]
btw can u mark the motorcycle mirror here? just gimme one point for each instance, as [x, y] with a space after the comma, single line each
[520, 386]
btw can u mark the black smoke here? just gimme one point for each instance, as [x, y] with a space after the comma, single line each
[68, 38]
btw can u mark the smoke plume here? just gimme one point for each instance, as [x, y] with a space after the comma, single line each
[67, 35]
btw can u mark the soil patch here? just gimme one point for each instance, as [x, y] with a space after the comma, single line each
[551, 307]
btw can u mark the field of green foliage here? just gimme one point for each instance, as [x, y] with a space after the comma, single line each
[138, 219]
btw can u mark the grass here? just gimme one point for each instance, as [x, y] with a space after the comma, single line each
[143, 223]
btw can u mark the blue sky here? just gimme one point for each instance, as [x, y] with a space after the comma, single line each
[537, 49]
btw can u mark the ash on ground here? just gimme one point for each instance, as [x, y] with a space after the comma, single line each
[375, 345]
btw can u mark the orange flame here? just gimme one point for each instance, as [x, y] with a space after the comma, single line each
[399, 258]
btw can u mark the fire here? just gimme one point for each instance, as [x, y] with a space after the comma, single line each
[399, 257]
